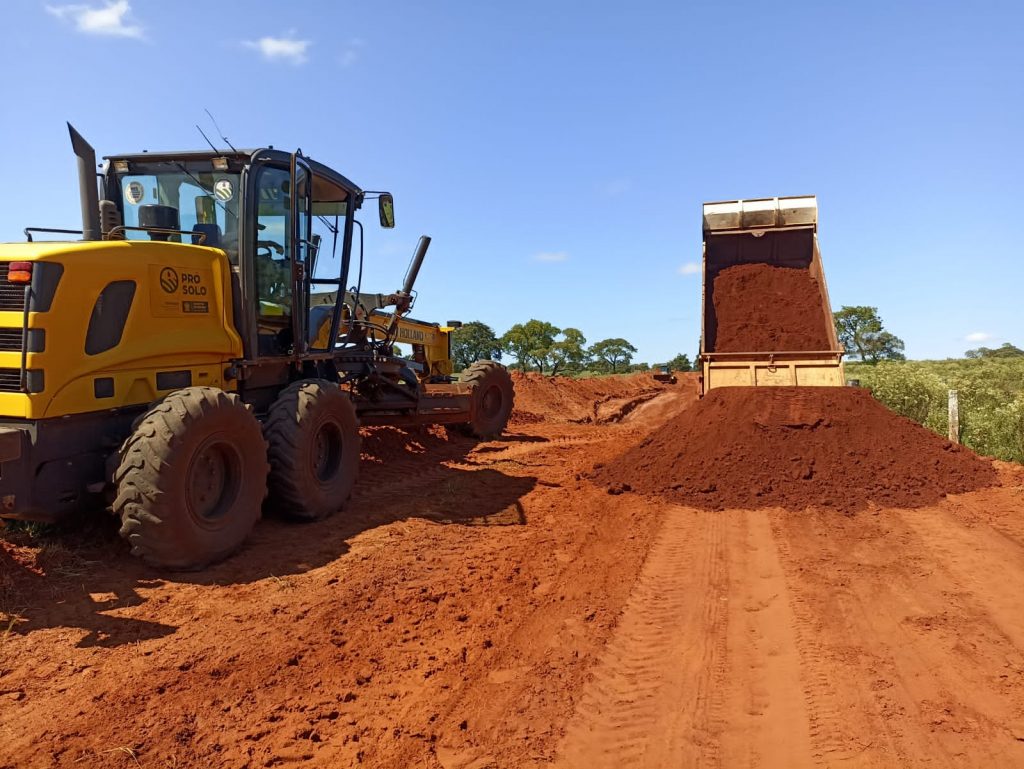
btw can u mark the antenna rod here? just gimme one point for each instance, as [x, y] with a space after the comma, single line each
[207, 138]
[222, 136]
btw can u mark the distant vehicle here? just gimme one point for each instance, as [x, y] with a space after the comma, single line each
[663, 373]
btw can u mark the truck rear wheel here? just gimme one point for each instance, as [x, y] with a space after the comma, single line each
[191, 480]
[314, 440]
[492, 400]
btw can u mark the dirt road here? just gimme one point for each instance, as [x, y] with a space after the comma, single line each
[489, 606]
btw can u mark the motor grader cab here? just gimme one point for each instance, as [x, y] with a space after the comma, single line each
[182, 358]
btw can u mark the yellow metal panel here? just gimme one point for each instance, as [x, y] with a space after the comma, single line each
[180, 319]
[774, 376]
[176, 293]
[727, 375]
[15, 405]
[761, 373]
[134, 386]
[820, 375]
[432, 339]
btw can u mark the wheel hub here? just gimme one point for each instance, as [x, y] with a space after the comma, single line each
[326, 454]
[490, 404]
[212, 480]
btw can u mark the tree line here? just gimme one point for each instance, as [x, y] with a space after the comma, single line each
[865, 339]
[537, 345]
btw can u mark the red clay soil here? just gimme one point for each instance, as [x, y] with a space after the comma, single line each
[542, 398]
[484, 605]
[793, 448]
[762, 308]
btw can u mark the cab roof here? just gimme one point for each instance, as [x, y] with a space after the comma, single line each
[242, 156]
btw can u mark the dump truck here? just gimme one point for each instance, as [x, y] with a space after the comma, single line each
[782, 232]
[201, 351]
[663, 373]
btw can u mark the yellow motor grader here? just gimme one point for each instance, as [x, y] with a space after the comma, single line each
[200, 351]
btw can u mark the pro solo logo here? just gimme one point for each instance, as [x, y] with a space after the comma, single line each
[190, 282]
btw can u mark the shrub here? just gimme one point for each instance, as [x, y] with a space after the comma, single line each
[990, 390]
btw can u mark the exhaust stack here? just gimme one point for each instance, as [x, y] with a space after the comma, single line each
[87, 190]
[417, 262]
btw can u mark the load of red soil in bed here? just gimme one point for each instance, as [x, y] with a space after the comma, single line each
[762, 308]
[793, 448]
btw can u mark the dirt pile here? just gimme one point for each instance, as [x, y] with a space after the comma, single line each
[794, 448]
[564, 399]
[762, 308]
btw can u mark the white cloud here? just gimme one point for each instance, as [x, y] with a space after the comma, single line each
[281, 48]
[111, 19]
[690, 268]
[979, 336]
[551, 256]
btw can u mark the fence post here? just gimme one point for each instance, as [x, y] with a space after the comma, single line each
[954, 417]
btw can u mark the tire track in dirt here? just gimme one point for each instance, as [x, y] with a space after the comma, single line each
[831, 726]
[900, 643]
[981, 558]
[652, 701]
[767, 715]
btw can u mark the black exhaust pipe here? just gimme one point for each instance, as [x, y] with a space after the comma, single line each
[405, 295]
[87, 190]
[417, 262]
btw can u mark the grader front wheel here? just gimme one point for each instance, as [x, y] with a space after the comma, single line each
[492, 399]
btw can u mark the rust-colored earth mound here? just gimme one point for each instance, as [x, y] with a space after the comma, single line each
[762, 308]
[794, 448]
[542, 398]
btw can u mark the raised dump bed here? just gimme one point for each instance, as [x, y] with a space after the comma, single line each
[766, 317]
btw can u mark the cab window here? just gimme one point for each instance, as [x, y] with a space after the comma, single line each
[273, 250]
[205, 202]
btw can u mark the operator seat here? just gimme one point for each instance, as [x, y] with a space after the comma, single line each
[212, 233]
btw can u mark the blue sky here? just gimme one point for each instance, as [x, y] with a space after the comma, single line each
[559, 152]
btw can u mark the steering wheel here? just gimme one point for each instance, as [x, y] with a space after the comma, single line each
[269, 247]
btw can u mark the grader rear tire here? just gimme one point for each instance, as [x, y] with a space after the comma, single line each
[191, 480]
[314, 440]
[493, 398]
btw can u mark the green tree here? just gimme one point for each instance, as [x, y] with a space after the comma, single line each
[862, 335]
[530, 342]
[681, 363]
[613, 352]
[472, 342]
[1005, 350]
[568, 353]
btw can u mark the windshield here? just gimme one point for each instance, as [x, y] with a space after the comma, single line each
[205, 201]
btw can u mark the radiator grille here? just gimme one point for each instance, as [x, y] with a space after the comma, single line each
[10, 340]
[12, 295]
[10, 380]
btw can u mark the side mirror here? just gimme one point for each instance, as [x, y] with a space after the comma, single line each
[386, 209]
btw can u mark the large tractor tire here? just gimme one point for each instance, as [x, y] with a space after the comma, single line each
[492, 399]
[314, 440]
[192, 479]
